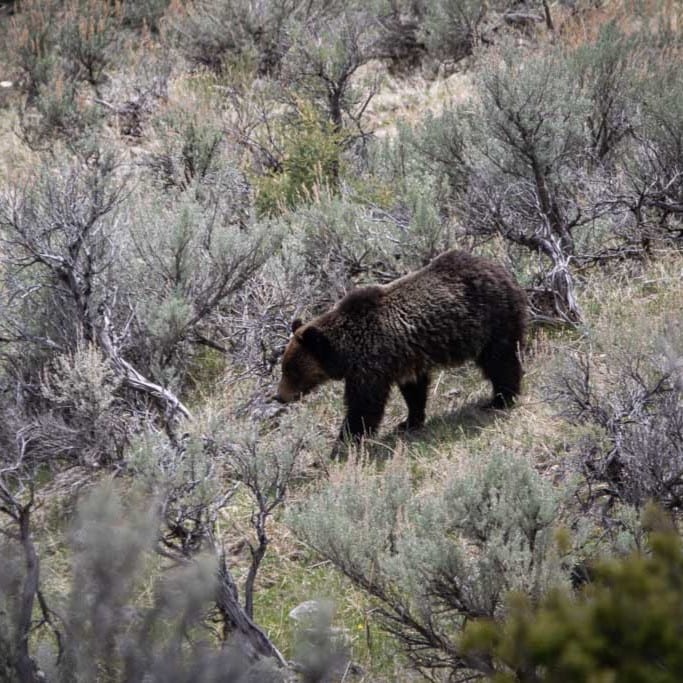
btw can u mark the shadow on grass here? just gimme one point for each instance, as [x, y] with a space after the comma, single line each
[463, 423]
[458, 425]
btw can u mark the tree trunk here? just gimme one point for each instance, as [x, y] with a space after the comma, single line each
[251, 640]
[25, 667]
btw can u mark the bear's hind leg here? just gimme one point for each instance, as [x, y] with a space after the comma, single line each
[415, 395]
[365, 402]
[501, 365]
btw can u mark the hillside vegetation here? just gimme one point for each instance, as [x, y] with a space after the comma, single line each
[181, 180]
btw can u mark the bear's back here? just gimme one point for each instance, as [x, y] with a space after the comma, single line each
[459, 302]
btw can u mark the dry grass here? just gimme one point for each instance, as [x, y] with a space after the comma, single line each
[15, 158]
[408, 99]
[576, 28]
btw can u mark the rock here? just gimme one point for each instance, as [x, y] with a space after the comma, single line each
[312, 611]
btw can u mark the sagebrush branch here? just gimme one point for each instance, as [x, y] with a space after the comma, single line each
[131, 377]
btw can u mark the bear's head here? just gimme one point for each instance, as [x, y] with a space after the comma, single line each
[309, 361]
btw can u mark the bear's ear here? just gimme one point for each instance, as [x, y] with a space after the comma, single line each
[314, 340]
[296, 324]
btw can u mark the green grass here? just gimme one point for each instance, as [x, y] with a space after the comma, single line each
[288, 582]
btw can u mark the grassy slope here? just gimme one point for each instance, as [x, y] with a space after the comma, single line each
[628, 308]
[630, 305]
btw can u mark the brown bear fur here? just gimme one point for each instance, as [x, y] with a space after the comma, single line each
[459, 307]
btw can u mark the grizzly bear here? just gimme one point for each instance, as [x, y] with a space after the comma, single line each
[459, 307]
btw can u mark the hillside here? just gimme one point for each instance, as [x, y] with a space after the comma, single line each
[179, 181]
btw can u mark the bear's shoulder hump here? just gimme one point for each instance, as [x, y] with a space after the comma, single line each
[361, 300]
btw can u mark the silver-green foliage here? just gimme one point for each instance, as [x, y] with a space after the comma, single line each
[107, 633]
[58, 46]
[144, 13]
[326, 51]
[569, 153]
[202, 475]
[439, 148]
[507, 160]
[58, 238]
[439, 557]
[532, 111]
[85, 423]
[339, 243]
[83, 381]
[633, 403]
[219, 456]
[182, 266]
[213, 32]
[107, 557]
[451, 28]
[186, 482]
[654, 187]
[145, 278]
[191, 155]
[512, 162]
[608, 77]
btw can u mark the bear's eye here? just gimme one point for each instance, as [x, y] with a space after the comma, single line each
[292, 367]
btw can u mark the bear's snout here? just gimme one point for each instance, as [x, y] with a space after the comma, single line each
[285, 394]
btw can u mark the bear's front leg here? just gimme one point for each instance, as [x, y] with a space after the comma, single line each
[415, 395]
[365, 401]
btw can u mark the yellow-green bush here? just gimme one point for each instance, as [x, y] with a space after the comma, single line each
[311, 162]
[625, 625]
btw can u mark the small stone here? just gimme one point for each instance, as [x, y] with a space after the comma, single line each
[311, 610]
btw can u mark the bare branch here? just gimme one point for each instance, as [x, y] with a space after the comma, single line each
[131, 376]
